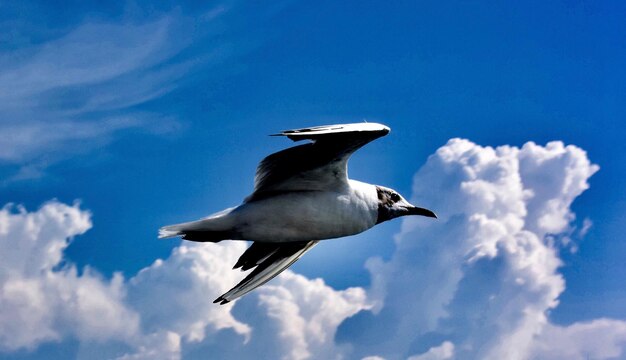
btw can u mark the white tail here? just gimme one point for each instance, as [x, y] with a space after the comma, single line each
[215, 222]
[169, 231]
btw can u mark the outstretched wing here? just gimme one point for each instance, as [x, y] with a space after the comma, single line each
[270, 259]
[317, 166]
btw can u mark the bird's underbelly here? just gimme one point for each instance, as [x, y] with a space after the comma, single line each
[303, 217]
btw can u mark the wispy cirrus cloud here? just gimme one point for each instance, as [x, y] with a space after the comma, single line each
[72, 93]
[90, 54]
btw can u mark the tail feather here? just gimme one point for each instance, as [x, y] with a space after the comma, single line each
[206, 236]
[213, 228]
[169, 232]
[194, 235]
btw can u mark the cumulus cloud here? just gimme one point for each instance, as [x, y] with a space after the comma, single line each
[292, 318]
[161, 312]
[307, 314]
[597, 339]
[183, 285]
[476, 284]
[43, 300]
[483, 277]
[441, 352]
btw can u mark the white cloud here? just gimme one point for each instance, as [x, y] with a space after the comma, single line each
[484, 275]
[184, 285]
[292, 317]
[551, 196]
[166, 308]
[160, 345]
[475, 284]
[441, 352]
[39, 303]
[597, 339]
[307, 313]
[90, 54]
[71, 94]
[56, 95]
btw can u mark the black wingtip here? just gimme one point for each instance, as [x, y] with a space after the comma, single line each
[238, 264]
[247, 267]
[221, 301]
[289, 135]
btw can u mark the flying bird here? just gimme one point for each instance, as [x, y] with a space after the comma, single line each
[301, 195]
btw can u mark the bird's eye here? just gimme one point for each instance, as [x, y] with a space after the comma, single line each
[395, 197]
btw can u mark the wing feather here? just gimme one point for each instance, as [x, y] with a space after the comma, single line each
[317, 132]
[281, 256]
[255, 254]
[317, 166]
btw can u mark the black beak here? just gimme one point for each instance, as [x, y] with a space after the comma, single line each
[421, 211]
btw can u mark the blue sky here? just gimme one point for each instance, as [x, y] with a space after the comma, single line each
[151, 114]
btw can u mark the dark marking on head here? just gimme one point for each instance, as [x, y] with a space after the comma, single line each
[391, 205]
[386, 199]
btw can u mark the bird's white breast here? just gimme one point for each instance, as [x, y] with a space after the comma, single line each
[313, 215]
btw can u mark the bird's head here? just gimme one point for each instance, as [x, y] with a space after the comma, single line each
[392, 205]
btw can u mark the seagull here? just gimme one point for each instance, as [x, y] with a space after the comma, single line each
[301, 195]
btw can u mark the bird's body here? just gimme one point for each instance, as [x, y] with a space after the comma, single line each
[296, 216]
[302, 195]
